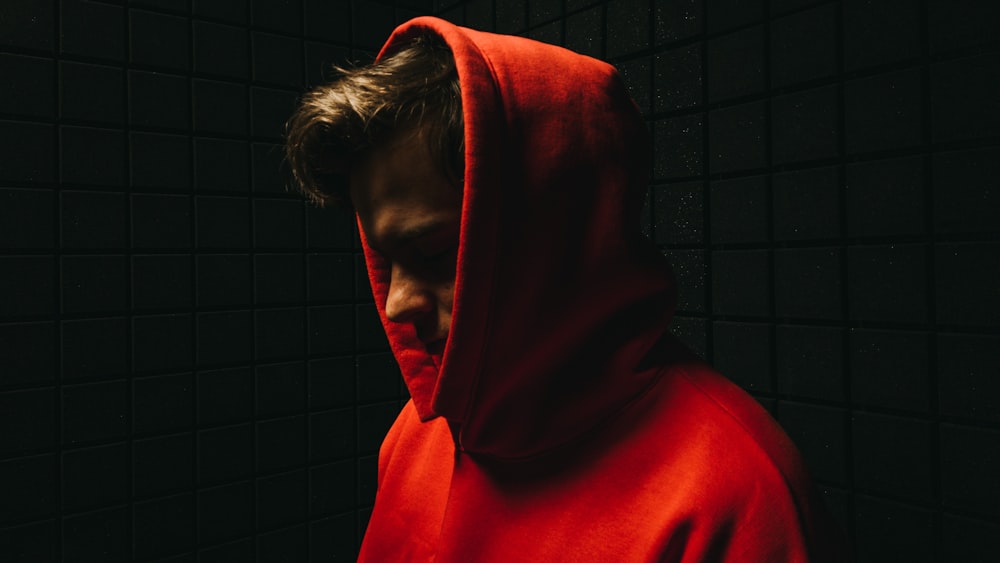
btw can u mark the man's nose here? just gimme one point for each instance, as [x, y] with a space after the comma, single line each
[408, 297]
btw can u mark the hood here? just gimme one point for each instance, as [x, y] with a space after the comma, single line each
[559, 298]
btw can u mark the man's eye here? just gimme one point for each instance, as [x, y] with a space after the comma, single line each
[437, 254]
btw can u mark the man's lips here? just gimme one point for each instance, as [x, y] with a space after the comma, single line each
[436, 347]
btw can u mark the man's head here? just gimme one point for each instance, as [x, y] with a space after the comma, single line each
[387, 139]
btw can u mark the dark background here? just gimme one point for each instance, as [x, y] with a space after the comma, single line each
[191, 368]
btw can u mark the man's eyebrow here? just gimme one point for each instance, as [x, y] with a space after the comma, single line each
[396, 238]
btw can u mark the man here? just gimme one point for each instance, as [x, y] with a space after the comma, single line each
[497, 183]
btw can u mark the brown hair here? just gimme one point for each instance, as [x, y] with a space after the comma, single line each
[414, 87]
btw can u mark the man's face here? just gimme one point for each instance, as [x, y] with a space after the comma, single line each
[410, 213]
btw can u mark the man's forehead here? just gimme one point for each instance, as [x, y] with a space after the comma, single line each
[389, 167]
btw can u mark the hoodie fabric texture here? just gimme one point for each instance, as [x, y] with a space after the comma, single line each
[562, 422]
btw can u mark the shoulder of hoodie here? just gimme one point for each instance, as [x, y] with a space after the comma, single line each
[776, 470]
[737, 408]
[754, 444]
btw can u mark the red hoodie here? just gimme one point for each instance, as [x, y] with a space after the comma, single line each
[562, 422]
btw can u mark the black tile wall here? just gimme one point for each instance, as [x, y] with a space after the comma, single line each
[890, 369]
[883, 112]
[950, 29]
[331, 383]
[636, 75]
[804, 46]
[678, 210]
[810, 361]
[741, 283]
[331, 329]
[92, 29]
[224, 337]
[889, 529]
[26, 219]
[689, 269]
[379, 377]
[740, 208]
[970, 459]
[968, 539]
[163, 526]
[31, 279]
[162, 342]
[735, 64]
[960, 94]
[221, 165]
[742, 351]
[160, 100]
[90, 92]
[806, 204]
[676, 20]
[281, 444]
[23, 413]
[369, 334]
[281, 389]
[584, 31]
[277, 15]
[192, 367]
[966, 198]
[967, 369]
[161, 281]
[805, 125]
[163, 464]
[28, 352]
[97, 535]
[29, 149]
[269, 172]
[887, 283]
[224, 396]
[877, 33]
[159, 40]
[898, 184]
[892, 456]
[32, 542]
[678, 147]
[627, 27]
[279, 334]
[290, 542]
[820, 434]
[92, 156]
[965, 294]
[220, 50]
[737, 138]
[333, 435]
[95, 412]
[807, 283]
[94, 476]
[227, 512]
[30, 488]
[150, 155]
[162, 403]
[28, 25]
[723, 15]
